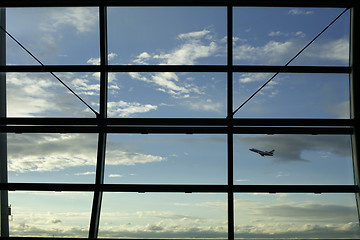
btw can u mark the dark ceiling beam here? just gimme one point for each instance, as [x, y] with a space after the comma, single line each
[205, 3]
[178, 130]
[175, 188]
[176, 68]
[93, 122]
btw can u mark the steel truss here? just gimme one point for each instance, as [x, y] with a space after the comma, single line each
[227, 126]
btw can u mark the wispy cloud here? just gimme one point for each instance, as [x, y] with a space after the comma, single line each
[206, 105]
[168, 82]
[285, 34]
[55, 152]
[280, 52]
[82, 19]
[127, 109]
[122, 157]
[193, 46]
[341, 110]
[298, 11]
[337, 50]
[115, 176]
[272, 52]
[96, 61]
[84, 173]
[39, 94]
[290, 147]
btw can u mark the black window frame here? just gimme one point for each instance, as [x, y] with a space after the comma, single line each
[229, 125]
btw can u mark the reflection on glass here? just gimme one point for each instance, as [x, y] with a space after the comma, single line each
[273, 36]
[52, 157]
[147, 215]
[54, 35]
[42, 95]
[296, 216]
[292, 95]
[167, 94]
[50, 214]
[191, 159]
[297, 159]
[167, 35]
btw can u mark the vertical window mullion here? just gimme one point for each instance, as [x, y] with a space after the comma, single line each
[354, 96]
[3, 136]
[100, 165]
[230, 136]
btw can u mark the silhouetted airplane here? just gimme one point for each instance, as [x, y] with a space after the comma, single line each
[263, 153]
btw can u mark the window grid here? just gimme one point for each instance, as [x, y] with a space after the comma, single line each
[102, 125]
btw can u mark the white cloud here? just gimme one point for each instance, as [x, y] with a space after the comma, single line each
[83, 86]
[254, 77]
[341, 110]
[206, 105]
[48, 152]
[192, 35]
[272, 52]
[168, 82]
[54, 152]
[242, 180]
[27, 94]
[326, 220]
[276, 52]
[195, 45]
[115, 176]
[284, 34]
[188, 53]
[127, 109]
[82, 19]
[96, 61]
[112, 56]
[40, 94]
[84, 173]
[121, 157]
[298, 11]
[277, 33]
[337, 50]
[142, 58]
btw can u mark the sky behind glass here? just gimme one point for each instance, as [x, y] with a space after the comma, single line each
[180, 36]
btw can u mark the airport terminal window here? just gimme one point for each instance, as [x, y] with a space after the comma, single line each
[179, 119]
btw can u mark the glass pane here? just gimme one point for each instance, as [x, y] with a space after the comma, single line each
[52, 157]
[42, 95]
[297, 159]
[296, 216]
[167, 94]
[292, 95]
[170, 216]
[50, 214]
[53, 35]
[167, 35]
[273, 36]
[190, 159]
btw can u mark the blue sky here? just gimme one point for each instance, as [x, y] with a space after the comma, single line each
[166, 36]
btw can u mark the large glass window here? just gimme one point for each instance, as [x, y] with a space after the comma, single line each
[179, 119]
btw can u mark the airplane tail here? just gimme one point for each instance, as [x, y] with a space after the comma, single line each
[272, 151]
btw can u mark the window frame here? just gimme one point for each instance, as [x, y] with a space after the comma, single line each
[102, 125]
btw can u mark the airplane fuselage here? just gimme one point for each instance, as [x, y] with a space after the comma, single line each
[263, 153]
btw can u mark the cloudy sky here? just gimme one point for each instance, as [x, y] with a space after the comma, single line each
[165, 36]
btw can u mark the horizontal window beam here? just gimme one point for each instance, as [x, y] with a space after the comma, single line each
[176, 68]
[178, 122]
[254, 3]
[178, 130]
[143, 188]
